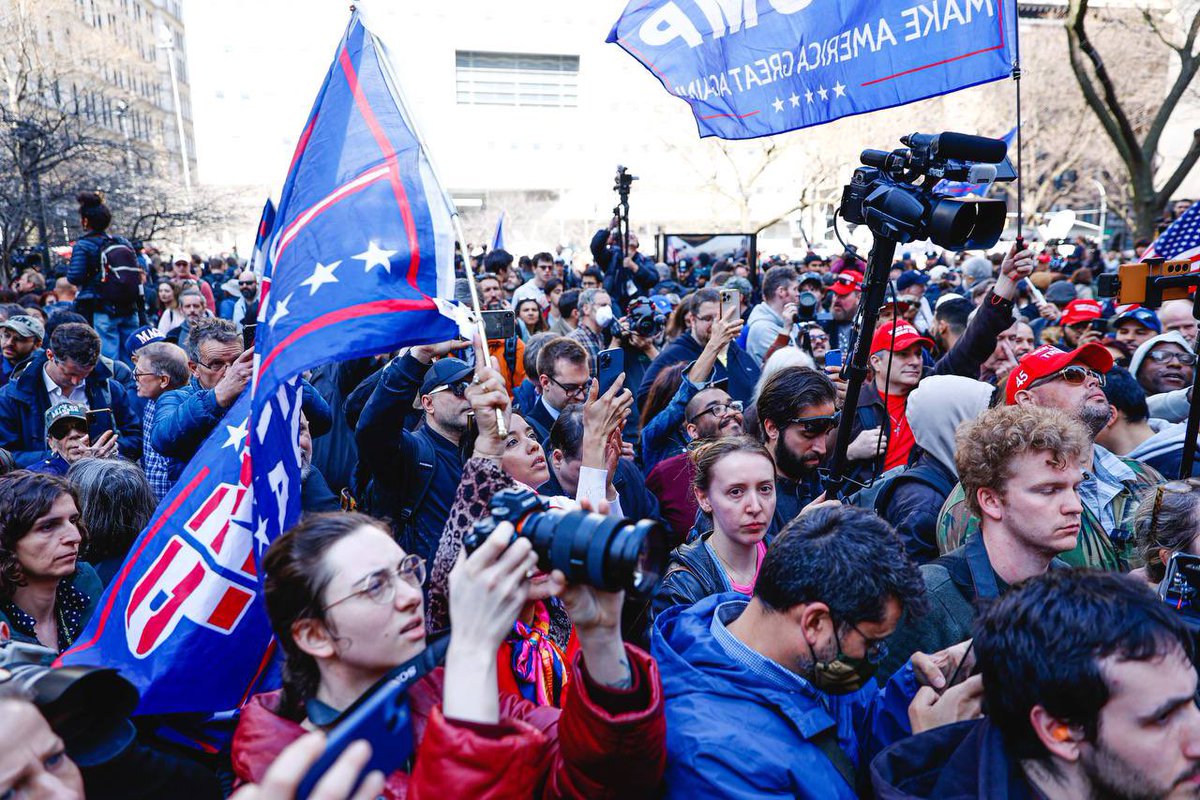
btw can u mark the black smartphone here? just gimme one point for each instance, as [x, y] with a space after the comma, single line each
[833, 358]
[248, 336]
[381, 717]
[1100, 325]
[94, 413]
[609, 364]
[499, 325]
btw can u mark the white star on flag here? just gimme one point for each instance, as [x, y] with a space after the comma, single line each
[795, 98]
[281, 309]
[823, 92]
[376, 256]
[808, 95]
[237, 434]
[839, 89]
[778, 105]
[322, 275]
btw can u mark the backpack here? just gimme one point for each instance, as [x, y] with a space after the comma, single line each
[384, 500]
[891, 480]
[120, 273]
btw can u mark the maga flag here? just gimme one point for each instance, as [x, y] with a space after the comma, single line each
[754, 68]
[361, 247]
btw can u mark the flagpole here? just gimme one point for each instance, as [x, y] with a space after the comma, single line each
[385, 62]
[1016, 76]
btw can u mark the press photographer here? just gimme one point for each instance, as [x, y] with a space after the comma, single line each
[627, 273]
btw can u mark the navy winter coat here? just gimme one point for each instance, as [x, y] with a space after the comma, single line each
[741, 369]
[24, 402]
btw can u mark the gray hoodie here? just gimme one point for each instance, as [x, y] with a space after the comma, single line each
[936, 408]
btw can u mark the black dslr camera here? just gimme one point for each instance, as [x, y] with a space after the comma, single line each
[606, 552]
[883, 196]
[643, 318]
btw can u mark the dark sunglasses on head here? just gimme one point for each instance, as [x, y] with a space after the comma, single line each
[846, 280]
[817, 426]
[458, 387]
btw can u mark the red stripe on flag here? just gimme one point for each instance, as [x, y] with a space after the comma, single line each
[389, 154]
[342, 314]
[132, 558]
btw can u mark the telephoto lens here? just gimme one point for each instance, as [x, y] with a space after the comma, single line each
[609, 553]
[806, 307]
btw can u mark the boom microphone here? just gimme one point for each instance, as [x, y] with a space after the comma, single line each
[962, 146]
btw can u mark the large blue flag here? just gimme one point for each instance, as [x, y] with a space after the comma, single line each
[757, 67]
[498, 236]
[359, 252]
[266, 225]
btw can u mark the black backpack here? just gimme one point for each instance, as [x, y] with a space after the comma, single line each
[921, 473]
[120, 273]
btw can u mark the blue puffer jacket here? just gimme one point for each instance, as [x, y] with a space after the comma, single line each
[24, 402]
[184, 417]
[731, 733]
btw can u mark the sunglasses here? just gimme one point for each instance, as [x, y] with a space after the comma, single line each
[458, 387]
[813, 427]
[1185, 486]
[1074, 375]
[1167, 356]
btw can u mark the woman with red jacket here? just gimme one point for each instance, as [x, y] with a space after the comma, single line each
[346, 606]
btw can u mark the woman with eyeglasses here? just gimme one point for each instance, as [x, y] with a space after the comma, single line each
[1167, 522]
[535, 657]
[345, 603]
[735, 487]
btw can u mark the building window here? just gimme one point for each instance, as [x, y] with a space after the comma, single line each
[517, 79]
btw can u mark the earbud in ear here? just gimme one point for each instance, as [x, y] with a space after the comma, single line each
[1060, 733]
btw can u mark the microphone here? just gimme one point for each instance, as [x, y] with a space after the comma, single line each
[964, 147]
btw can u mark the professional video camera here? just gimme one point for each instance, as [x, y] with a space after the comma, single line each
[882, 194]
[88, 707]
[609, 553]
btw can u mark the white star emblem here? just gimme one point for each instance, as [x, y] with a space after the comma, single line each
[376, 256]
[237, 435]
[281, 310]
[260, 535]
[839, 89]
[808, 95]
[778, 105]
[824, 94]
[321, 275]
[795, 98]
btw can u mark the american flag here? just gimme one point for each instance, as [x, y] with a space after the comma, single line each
[1181, 239]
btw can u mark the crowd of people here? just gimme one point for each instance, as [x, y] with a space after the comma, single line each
[976, 613]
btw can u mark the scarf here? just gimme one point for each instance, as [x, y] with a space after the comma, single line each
[538, 663]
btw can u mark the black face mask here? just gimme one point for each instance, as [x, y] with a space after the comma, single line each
[843, 674]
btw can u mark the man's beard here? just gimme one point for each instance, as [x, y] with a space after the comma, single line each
[306, 466]
[1113, 778]
[1094, 418]
[249, 295]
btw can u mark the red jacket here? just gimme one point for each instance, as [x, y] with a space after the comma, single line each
[582, 751]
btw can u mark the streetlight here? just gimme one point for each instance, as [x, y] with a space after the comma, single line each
[169, 45]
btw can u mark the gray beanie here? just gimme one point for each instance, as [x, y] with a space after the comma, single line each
[1139, 355]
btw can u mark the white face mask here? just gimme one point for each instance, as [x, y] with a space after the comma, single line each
[604, 315]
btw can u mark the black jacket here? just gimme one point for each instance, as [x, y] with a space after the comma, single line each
[617, 276]
[965, 759]
[692, 574]
[790, 498]
[913, 507]
[636, 500]
[742, 370]
[390, 453]
[540, 420]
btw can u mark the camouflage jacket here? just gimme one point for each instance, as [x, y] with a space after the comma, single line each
[1098, 548]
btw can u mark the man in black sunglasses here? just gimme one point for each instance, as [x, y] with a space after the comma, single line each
[797, 413]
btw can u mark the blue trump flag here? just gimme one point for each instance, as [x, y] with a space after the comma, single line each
[498, 236]
[258, 257]
[753, 68]
[358, 253]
